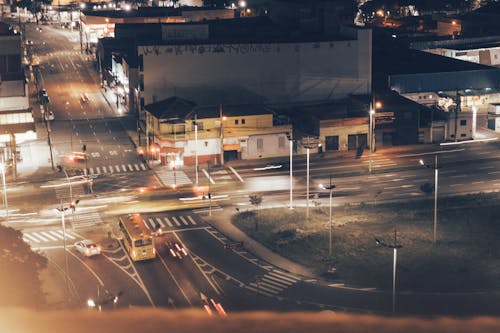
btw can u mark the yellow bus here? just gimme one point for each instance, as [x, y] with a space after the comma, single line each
[137, 238]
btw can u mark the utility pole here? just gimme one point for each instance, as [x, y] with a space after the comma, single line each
[221, 135]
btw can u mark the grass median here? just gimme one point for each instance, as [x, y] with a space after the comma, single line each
[466, 256]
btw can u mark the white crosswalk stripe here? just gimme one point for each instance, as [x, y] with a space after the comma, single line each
[176, 221]
[106, 169]
[183, 220]
[47, 236]
[273, 282]
[150, 224]
[172, 177]
[160, 222]
[86, 219]
[191, 219]
[169, 222]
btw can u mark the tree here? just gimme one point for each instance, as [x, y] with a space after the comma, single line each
[20, 284]
[255, 199]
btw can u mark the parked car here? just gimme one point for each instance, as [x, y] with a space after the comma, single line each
[88, 248]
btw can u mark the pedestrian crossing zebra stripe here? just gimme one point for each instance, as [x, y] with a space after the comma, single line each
[272, 282]
[274, 278]
[46, 234]
[260, 286]
[117, 168]
[168, 222]
[183, 220]
[172, 221]
[274, 273]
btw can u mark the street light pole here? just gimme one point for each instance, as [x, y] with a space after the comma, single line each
[436, 184]
[196, 145]
[436, 174]
[371, 132]
[221, 136]
[330, 188]
[62, 210]
[307, 187]
[395, 248]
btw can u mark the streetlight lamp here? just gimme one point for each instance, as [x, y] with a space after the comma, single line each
[330, 188]
[395, 248]
[2, 167]
[436, 175]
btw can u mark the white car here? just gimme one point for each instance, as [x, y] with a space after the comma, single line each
[88, 248]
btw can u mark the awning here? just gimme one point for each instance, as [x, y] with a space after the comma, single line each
[234, 146]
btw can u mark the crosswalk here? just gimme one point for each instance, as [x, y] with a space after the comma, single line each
[273, 282]
[172, 177]
[38, 237]
[116, 168]
[86, 219]
[179, 221]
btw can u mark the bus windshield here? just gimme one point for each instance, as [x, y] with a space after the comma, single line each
[143, 242]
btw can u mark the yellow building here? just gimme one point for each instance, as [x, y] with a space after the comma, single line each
[178, 132]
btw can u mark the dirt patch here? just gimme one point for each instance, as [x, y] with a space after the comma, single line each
[466, 256]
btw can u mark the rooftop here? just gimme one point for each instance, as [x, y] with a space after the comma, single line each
[394, 60]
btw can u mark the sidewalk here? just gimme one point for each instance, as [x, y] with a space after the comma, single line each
[221, 220]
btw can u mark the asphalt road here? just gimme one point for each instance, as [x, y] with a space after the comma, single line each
[232, 277]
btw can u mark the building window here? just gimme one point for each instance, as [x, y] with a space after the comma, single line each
[281, 143]
[243, 121]
[260, 144]
[236, 121]
[463, 122]
[200, 126]
[141, 63]
[463, 135]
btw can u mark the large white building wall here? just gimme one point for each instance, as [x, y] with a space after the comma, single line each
[249, 73]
